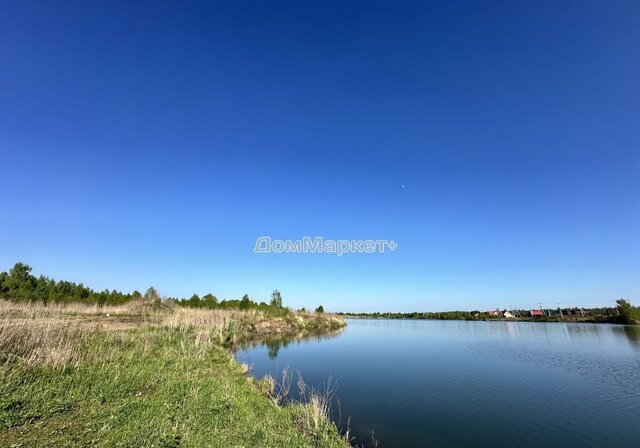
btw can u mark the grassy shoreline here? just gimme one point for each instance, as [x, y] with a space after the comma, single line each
[145, 375]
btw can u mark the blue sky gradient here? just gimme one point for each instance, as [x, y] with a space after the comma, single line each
[151, 143]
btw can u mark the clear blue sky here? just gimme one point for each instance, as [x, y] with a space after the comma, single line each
[151, 143]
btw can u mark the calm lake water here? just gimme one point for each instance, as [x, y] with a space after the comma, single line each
[473, 384]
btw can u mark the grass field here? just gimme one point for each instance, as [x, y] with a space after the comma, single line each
[145, 375]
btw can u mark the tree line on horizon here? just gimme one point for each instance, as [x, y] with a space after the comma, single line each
[19, 285]
[623, 313]
[209, 301]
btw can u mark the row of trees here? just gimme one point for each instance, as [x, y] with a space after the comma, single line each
[624, 313]
[446, 315]
[19, 285]
[210, 301]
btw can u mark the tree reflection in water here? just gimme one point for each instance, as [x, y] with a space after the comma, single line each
[274, 343]
[632, 332]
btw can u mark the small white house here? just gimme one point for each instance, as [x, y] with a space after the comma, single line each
[508, 315]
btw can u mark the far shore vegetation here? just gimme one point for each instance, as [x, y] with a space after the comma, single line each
[107, 369]
[623, 313]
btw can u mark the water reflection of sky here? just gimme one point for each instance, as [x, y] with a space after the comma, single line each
[578, 335]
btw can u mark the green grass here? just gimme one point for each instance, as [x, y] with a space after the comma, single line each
[151, 387]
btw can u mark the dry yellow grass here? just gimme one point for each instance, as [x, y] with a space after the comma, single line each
[35, 333]
[51, 335]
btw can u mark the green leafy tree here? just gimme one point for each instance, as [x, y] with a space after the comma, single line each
[276, 299]
[245, 302]
[628, 313]
[320, 309]
[42, 289]
[152, 295]
[3, 279]
[210, 301]
[20, 284]
[194, 301]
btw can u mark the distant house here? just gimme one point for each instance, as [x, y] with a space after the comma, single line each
[537, 313]
[508, 315]
[494, 313]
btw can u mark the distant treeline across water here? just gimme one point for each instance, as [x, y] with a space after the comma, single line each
[622, 313]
